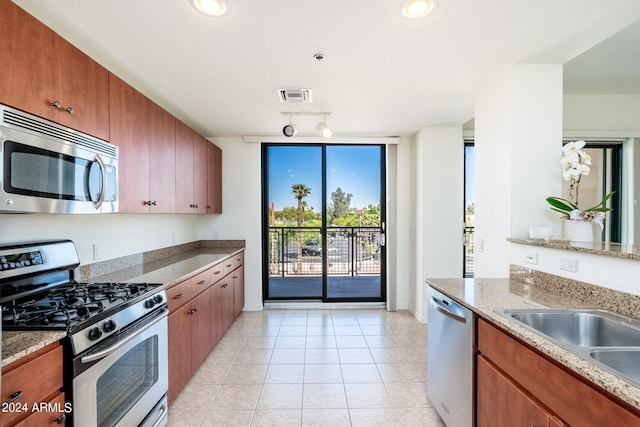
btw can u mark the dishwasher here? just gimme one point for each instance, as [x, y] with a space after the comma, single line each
[450, 359]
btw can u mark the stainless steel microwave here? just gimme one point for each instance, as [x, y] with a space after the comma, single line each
[49, 168]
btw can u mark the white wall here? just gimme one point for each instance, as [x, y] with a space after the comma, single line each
[518, 122]
[602, 113]
[438, 208]
[241, 203]
[116, 234]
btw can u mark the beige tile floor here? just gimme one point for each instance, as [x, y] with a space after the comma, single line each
[333, 367]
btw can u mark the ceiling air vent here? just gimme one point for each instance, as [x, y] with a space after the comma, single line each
[294, 95]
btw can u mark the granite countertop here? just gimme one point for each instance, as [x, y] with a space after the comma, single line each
[168, 271]
[617, 250]
[484, 296]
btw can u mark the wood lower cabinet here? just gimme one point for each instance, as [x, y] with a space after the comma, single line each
[201, 309]
[501, 403]
[43, 69]
[533, 381]
[33, 380]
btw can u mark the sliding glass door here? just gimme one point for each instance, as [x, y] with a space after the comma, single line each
[323, 222]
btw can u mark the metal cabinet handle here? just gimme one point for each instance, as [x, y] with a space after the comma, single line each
[201, 282]
[150, 203]
[178, 296]
[217, 272]
[61, 419]
[235, 277]
[56, 104]
[15, 396]
[69, 110]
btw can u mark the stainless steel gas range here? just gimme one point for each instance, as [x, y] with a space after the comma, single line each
[115, 364]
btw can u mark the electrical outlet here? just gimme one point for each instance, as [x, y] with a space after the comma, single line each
[569, 265]
[531, 258]
[96, 251]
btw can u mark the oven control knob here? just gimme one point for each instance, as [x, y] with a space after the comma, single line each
[149, 303]
[109, 326]
[95, 333]
[157, 299]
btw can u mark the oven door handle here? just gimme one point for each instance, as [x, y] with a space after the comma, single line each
[107, 351]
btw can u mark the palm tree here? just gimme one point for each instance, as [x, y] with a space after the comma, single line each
[300, 191]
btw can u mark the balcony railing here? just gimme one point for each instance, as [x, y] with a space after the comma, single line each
[351, 251]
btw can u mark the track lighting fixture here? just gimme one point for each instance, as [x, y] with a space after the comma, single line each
[290, 129]
[323, 129]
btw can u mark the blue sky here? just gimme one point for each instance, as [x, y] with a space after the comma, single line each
[355, 169]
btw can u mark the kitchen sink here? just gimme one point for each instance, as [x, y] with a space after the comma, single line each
[610, 340]
[624, 361]
[589, 328]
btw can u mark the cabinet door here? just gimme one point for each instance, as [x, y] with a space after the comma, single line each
[129, 131]
[238, 291]
[200, 173]
[214, 189]
[184, 168]
[29, 79]
[84, 91]
[200, 329]
[501, 403]
[179, 351]
[162, 160]
[217, 312]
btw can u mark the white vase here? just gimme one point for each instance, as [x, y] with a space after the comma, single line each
[578, 230]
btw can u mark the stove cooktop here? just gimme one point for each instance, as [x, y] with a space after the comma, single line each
[67, 306]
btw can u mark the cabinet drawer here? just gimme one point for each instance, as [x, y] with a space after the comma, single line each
[178, 295]
[227, 265]
[36, 380]
[575, 400]
[238, 260]
[51, 414]
[217, 272]
[200, 283]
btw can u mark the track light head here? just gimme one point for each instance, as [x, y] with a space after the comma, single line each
[324, 130]
[289, 130]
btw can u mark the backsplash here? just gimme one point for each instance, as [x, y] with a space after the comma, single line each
[90, 271]
[591, 295]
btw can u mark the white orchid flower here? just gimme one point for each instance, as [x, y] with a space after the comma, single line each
[571, 173]
[583, 169]
[584, 157]
[573, 147]
[570, 161]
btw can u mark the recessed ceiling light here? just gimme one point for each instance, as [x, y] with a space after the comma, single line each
[211, 7]
[417, 8]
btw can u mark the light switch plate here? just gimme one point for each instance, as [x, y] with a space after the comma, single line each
[569, 265]
[531, 258]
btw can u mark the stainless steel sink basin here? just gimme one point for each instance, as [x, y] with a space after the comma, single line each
[610, 340]
[593, 328]
[626, 362]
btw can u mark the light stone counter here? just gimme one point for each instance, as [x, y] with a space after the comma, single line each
[17, 344]
[167, 267]
[484, 296]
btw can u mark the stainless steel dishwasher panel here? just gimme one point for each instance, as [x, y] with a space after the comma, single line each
[450, 359]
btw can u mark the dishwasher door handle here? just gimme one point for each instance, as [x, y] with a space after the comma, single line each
[440, 307]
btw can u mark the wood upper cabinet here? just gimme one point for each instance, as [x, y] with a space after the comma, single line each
[162, 160]
[185, 137]
[501, 403]
[192, 157]
[145, 135]
[214, 172]
[44, 69]
[129, 118]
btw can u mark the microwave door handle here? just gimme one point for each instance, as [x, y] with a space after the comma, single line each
[103, 170]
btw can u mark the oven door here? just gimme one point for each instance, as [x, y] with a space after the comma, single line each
[123, 381]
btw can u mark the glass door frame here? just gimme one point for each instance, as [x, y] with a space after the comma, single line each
[324, 231]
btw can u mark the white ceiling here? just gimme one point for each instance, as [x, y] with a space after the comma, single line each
[383, 75]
